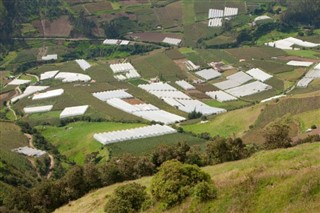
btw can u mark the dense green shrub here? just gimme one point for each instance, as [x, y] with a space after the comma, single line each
[174, 182]
[204, 191]
[277, 136]
[127, 198]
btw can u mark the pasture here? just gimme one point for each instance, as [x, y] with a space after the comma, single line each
[76, 139]
[147, 145]
[233, 123]
[287, 106]
[18, 165]
[307, 119]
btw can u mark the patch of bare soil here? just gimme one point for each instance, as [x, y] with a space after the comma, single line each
[133, 101]
[59, 27]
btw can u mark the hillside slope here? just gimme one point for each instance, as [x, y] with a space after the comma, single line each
[283, 180]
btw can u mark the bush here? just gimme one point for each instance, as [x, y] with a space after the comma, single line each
[204, 191]
[127, 198]
[194, 114]
[277, 136]
[175, 181]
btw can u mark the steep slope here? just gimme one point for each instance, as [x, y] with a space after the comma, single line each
[15, 169]
[283, 180]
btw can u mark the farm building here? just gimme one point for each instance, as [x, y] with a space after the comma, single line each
[172, 41]
[248, 89]
[29, 91]
[185, 85]
[117, 99]
[221, 96]
[29, 151]
[19, 82]
[116, 42]
[133, 134]
[191, 66]
[178, 99]
[48, 94]
[290, 43]
[83, 64]
[300, 63]
[73, 111]
[50, 57]
[48, 74]
[259, 74]
[208, 74]
[309, 77]
[72, 77]
[37, 109]
[124, 71]
[215, 22]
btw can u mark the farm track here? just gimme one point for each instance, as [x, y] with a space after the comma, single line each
[30, 139]
[18, 92]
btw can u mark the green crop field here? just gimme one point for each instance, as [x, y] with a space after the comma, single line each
[304, 53]
[292, 75]
[229, 105]
[159, 65]
[287, 106]
[249, 53]
[188, 15]
[76, 139]
[229, 124]
[79, 95]
[271, 66]
[147, 145]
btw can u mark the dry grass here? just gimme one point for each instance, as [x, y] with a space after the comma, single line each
[277, 176]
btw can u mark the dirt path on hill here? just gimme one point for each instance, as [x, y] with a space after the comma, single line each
[50, 156]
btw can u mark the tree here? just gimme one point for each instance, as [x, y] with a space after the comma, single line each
[127, 198]
[204, 191]
[218, 150]
[174, 182]
[221, 150]
[277, 136]
[194, 114]
[302, 12]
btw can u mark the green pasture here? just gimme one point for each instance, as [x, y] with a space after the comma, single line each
[76, 139]
[228, 124]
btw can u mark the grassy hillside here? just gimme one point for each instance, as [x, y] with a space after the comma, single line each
[283, 180]
[15, 169]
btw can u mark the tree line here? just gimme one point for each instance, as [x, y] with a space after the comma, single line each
[79, 180]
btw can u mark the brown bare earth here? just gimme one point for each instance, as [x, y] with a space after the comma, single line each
[6, 96]
[98, 6]
[170, 15]
[305, 135]
[130, 2]
[133, 101]
[297, 58]
[153, 36]
[197, 94]
[60, 27]
[205, 87]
